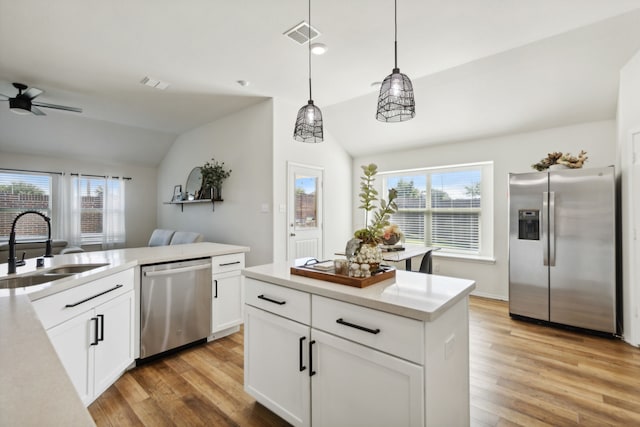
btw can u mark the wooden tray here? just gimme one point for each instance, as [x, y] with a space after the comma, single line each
[330, 276]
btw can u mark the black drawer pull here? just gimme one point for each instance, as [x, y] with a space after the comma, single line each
[95, 331]
[302, 367]
[95, 296]
[362, 328]
[271, 300]
[228, 263]
[311, 371]
[101, 320]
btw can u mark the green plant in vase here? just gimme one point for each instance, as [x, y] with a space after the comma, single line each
[368, 253]
[213, 175]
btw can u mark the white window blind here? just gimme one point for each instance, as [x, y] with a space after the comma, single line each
[21, 191]
[443, 207]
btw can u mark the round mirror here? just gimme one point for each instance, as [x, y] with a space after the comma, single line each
[194, 182]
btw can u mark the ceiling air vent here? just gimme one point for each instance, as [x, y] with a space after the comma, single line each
[300, 33]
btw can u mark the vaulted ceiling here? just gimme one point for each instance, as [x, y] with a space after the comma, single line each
[479, 68]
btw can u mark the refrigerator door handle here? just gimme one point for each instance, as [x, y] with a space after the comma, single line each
[552, 228]
[543, 226]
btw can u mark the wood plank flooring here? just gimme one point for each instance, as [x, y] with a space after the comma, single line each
[521, 374]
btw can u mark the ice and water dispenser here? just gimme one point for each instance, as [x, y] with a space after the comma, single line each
[528, 224]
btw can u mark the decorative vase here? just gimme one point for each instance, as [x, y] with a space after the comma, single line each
[366, 260]
[217, 192]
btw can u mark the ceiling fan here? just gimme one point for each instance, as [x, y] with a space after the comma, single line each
[23, 102]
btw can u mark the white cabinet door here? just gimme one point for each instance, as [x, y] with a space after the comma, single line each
[354, 385]
[73, 341]
[228, 300]
[114, 352]
[275, 364]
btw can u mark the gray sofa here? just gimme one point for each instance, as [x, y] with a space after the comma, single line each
[162, 237]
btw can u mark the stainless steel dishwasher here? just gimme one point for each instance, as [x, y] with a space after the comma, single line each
[175, 305]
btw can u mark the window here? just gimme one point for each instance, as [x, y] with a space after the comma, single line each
[447, 207]
[97, 209]
[21, 191]
[82, 209]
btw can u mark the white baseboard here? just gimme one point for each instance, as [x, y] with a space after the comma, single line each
[490, 296]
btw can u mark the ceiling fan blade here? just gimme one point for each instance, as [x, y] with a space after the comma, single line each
[37, 111]
[32, 92]
[5, 96]
[57, 107]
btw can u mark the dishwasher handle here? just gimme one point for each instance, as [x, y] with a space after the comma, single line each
[170, 271]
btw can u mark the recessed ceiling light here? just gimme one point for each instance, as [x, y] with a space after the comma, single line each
[155, 83]
[319, 48]
[243, 83]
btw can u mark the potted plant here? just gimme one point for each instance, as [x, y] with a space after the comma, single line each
[213, 175]
[367, 252]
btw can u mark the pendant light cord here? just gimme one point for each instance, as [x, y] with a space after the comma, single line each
[395, 33]
[309, 49]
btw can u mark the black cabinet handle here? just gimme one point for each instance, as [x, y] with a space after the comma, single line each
[95, 331]
[229, 263]
[311, 371]
[302, 367]
[94, 296]
[215, 295]
[271, 300]
[101, 321]
[362, 328]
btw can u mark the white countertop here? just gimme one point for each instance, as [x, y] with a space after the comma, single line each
[117, 260]
[34, 387]
[415, 295]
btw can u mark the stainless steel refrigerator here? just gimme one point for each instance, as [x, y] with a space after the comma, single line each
[562, 247]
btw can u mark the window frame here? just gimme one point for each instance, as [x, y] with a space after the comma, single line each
[484, 211]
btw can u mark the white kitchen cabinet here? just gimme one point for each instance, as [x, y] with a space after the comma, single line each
[227, 292]
[312, 377]
[276, 371]
[91, 328]
[354, 385]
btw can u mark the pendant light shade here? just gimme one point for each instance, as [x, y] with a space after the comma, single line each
[308, 124]
[395, 102]
[309, 121]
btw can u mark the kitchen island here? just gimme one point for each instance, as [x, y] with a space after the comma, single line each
[323, 354]
[34, 387]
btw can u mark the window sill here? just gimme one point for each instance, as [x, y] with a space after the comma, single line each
[464, 257]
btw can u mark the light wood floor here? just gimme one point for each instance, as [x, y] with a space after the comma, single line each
[521, 374]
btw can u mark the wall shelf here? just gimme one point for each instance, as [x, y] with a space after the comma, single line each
[190, 202]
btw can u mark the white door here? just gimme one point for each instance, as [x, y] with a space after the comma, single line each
[276, 372]
[114, 352]
[305, 211]
[355, 386]
[73, 341]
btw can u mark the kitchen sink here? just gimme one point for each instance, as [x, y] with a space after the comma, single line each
[35, 279]
[74, 268]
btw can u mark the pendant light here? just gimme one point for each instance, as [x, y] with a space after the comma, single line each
[395, 102]
[309, 121]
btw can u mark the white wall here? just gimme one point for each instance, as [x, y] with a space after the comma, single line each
[511, 153]
[337, 181]
[244, 142]
[140, 195]
[628, 123]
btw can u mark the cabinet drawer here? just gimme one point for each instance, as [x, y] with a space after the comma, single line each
[396, 335]
[286, 302]
[62, 306]
[222, 263]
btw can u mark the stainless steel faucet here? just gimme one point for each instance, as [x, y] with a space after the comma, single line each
[13, 262]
